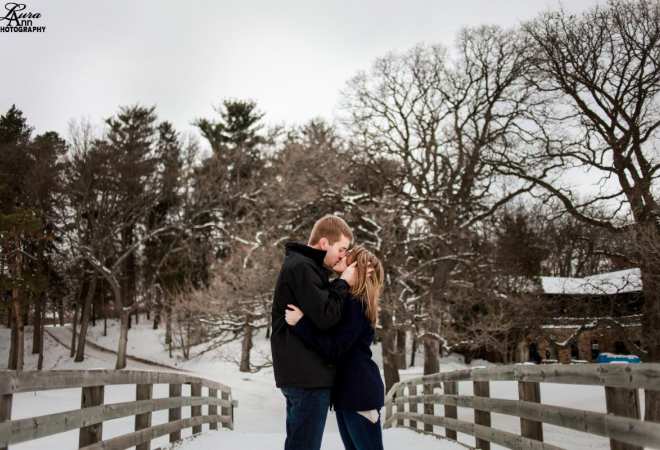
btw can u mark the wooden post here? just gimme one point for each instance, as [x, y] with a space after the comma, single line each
[213, 409]
[429, 408]
[482, 389]
[5, 410]
[530, 392]
[451, 388]
[400, 406]
[388, 411]
[622, 402]
[226, 411]
[196, 411]
[142, 421]
[412, 405]
[91, 396]
[175, 413]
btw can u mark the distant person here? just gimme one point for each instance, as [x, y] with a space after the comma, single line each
[358, 392]
[304, 377]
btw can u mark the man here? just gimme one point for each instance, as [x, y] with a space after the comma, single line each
[303, 376]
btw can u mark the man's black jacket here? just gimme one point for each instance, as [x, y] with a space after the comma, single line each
[303, 281]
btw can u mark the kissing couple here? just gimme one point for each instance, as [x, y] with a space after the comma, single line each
[322, 330]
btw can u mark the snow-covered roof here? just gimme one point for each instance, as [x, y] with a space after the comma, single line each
[619, 282]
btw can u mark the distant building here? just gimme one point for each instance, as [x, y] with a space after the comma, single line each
[590, 315]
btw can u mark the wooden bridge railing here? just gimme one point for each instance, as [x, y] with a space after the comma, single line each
[89, 419]
[621, 424]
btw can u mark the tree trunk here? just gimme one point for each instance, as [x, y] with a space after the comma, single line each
[123, 339]
[104, 310]
[60, 310]
[74, 330]
[648, 239]
[431, 364]
[11, 362]
[37, 326]
[247, 345]
[504, 350]
[186, 341]
[40, 362]
[158, 308]
[413, 352]
[431, 355]
[127, 279]
[156, 323]
[84, 319]
[431, 347]
[26, 311]
[401, 347]
[16, 353]
[390, 363]
[168, 323]
[95, 304]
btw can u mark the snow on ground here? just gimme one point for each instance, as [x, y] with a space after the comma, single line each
[394, 439]
[260, 416]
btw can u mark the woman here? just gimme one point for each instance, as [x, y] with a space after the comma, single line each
[358, 392]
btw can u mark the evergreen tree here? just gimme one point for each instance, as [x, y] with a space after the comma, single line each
[30, 184]
[132, 137]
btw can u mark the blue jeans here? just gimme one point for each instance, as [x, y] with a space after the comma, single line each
[357, 432]
[306, 411]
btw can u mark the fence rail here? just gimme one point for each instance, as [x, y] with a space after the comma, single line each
[93, 412]
[622, 423]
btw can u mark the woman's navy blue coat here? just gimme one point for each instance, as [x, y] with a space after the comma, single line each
[358, 385]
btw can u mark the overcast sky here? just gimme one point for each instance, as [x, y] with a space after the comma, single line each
[291, 56]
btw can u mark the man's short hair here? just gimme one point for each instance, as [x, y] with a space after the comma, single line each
[330, 227]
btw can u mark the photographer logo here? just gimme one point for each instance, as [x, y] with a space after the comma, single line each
[16, 18]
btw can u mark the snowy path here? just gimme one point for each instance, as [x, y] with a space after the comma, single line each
[62, 336]
[394, 439]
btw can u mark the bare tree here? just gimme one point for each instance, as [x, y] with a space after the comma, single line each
[597, 77]
[492, 309]
[98, 212]
[235, 305]
[439, 117]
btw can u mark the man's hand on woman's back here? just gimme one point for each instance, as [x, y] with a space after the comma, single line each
[292, 314]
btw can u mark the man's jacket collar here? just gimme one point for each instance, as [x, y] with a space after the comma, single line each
[316, 255]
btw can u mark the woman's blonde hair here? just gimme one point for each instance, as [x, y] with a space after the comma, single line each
[367, 288]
